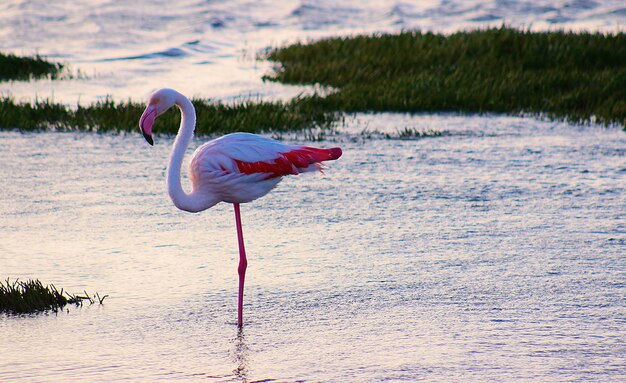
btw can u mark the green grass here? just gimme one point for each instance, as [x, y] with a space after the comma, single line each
[20, 297]
[25, 68]
[212, 117]
[575, 76]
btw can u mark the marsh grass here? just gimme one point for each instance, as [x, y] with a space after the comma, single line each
[562, 75]
[14, 67]
[30, 296]
[212, 117]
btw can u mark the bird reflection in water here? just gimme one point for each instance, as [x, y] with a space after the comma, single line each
[240, 357]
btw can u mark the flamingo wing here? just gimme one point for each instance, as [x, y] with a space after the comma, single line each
[251, 154]
[241, 167]
[295, 161]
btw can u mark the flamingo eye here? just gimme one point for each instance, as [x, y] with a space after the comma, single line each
[155, 100]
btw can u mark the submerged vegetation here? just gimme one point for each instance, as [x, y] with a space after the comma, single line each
[575, 76]
[20, 297]
[580, 77]
[25, 68]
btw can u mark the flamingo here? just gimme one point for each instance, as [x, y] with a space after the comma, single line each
[236, 168]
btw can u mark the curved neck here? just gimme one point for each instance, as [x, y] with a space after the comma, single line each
[192, 202]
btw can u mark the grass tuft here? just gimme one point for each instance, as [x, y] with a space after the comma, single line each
[20, 297]
[409, 133]
[406, 133]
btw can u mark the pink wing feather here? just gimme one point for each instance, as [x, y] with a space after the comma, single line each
[295, 161]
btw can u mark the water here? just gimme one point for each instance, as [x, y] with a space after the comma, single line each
[209, 48]
[494, 252]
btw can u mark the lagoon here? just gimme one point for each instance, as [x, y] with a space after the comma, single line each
[491, 252]
[494, 252]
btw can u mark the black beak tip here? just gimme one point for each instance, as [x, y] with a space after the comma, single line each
[148, 138]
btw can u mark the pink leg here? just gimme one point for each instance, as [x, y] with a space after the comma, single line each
[243, 264]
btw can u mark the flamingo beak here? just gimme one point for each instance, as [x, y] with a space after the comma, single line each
[146, 121]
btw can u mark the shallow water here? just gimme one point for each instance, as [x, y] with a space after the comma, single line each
[494, 252]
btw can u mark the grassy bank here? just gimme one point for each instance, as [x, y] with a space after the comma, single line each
[20, 297]
[574, 76]
[25, 68]
[212, 117]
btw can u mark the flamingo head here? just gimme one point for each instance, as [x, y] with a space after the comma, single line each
[160, 101]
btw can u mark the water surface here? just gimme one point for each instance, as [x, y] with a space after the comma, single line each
[492, 253]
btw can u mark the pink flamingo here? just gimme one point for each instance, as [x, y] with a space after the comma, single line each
[236, 168]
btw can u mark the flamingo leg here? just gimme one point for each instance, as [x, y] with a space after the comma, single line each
[243, 264]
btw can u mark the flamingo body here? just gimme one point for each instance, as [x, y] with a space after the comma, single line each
[236, 168]
[241, 167]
